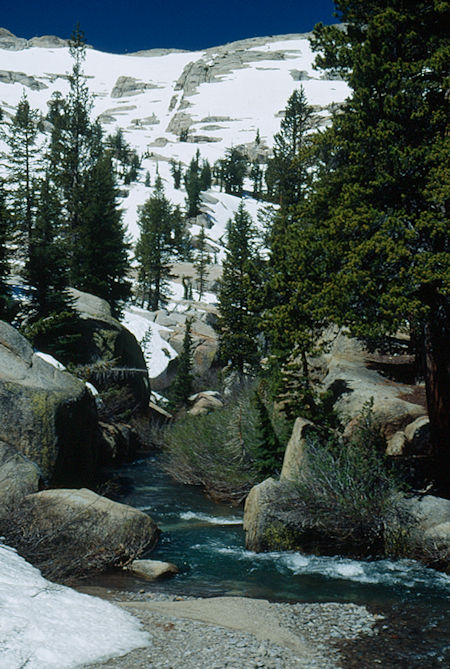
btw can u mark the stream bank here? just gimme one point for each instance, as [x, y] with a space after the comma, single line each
[406, 603]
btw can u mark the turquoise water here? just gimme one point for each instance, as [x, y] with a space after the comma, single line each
[206, 541]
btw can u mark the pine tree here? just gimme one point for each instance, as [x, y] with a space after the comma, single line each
[269, 451]
[5, 292]
[193, 186]
[380, 203]
[46, 269]
[155, 247]
[205, 176]
[287, 171]
[238, 322]
[201, 262]
[181, 388]
[234, 171]
[100, 259]
[176, 169]
[21, 137]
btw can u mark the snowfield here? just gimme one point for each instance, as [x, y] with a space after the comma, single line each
[224, 96]
[49, 626]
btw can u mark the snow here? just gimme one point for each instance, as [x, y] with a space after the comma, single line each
[51, 360]
[48, 626]
[157, 351]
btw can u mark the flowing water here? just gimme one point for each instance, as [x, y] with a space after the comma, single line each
[206, 541]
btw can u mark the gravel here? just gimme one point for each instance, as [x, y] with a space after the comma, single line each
[284, 636]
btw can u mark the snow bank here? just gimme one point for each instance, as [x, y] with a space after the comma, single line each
[48, 626]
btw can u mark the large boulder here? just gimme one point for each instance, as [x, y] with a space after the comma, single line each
[150, 570]
[18, 475]
[94, 527]
[294, 455]
[349, 372]
[104, 339]
[46, 414]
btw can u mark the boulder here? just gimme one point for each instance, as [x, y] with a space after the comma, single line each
[418, 437]
[205, 402]
[269, 523]
[295, 450]
[46, 414]
[91, 524]
[103, 338]
[18, 475]
[118, 442]
[347, 371]
[150, 570]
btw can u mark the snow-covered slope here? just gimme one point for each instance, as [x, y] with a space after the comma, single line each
[44, 625]
[222, 95]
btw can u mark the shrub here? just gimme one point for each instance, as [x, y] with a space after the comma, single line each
[346, 490]
[216, 451]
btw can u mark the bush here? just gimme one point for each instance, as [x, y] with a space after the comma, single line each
[217, 451]
[346, 490]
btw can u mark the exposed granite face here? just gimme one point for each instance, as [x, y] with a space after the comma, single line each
[9, 77]
[46, 414]
[10, 42]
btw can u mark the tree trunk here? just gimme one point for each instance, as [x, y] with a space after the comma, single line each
[437, 382]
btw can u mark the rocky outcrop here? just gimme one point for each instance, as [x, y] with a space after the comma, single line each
[18, 475]
[118, 443]
[46, 414]
[12, 43]
[151, 570]
[103, 338]
[8, 77]
[348, 372]
[205, 402]
[126, 86]
[295, 451]
[91, 524]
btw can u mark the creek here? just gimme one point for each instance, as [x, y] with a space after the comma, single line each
[206, 541]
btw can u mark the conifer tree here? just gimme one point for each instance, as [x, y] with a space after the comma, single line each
[201, 262]
[286, 174]
[269, 451]
[205, 176]
[21, 137]
[181, 388]
[380, 203]
[155, 247]
[238, 322]
[193, 186]
[46, 269]
[176, 169]
[100, 257]
[5, 293]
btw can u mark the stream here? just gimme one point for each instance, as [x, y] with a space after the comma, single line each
[206, 541]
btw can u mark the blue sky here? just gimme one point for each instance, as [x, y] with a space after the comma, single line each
[130, 25]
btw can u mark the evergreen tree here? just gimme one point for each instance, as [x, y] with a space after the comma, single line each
[201, 262]
[46, 269]
[21, 137]
[101, 259]
[286, 173]
[269, 451]
[238, 322]
[147, 179]
[155, 247]
[182, 241]
[205, 176]
[256, 176]
[5, 292]
[176, 169]
[193, 186]
[181, 388]
[380, 203]
[234, 171]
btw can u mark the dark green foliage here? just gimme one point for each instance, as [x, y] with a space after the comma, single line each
[270, 451]
[127, 160]
[181, 388]
[147, 180]
[155, 247]
[205, 176]
[380, 204]
[231, 171]
[101, 260]
[256, 175]
[286, 174]
[193, 186]
[201, 262]
[5, 293]
[21, 137]
[57, 334]
[176, 169]
[182, 241]
[238, 321]
[46, 269]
